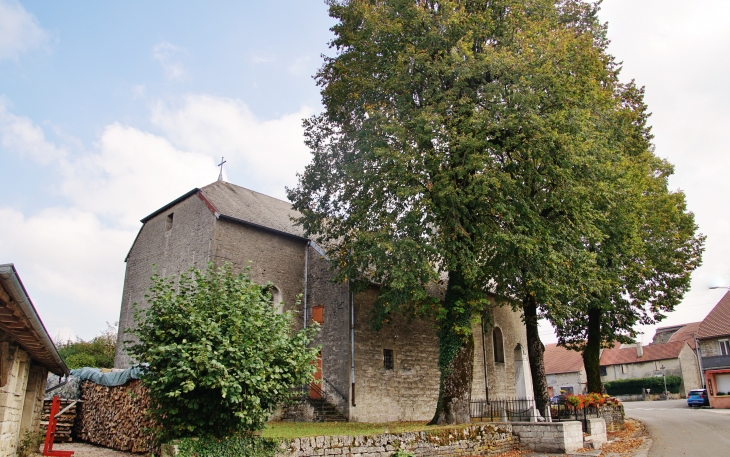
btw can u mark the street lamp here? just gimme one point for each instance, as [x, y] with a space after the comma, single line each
[664, 373]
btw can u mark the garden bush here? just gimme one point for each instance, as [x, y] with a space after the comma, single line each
[634, 386]
[219, 359]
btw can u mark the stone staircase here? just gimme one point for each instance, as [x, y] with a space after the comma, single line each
[325, 411]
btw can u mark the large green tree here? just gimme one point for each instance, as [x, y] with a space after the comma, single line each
[462, 142]
[649, 249]
[218, 358]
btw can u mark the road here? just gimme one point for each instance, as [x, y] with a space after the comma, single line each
[678, 430]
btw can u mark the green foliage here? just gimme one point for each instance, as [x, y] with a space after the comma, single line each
[219, 357]
[403, 453]
[469, 138]
[230, 446]
[29, 443]
[634, 386]
[98, 352]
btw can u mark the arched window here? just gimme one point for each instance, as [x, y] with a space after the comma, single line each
[276, 299]
[498, 345]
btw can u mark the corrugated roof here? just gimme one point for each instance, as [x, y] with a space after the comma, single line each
[249, 206]
[561, 360]
[618, 356]
[686, 334]
[717, 323]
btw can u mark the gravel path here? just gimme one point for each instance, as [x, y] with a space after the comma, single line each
[88, 450]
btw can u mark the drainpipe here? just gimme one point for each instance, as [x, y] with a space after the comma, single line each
[699, 360]
[484, 357]
[306, 279]
[352, 345]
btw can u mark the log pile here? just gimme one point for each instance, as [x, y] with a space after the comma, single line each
[65, 423]
[115, 417]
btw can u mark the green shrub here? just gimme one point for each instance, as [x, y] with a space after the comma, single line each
[220, 359]
[30, 443]
[232, 446]
[98, 352]
[634, 386]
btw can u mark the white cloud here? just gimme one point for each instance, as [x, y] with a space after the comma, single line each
[170, 57]
[19, 30]
[270, 152]
[258, 59]
[299, 66]
[71, 255]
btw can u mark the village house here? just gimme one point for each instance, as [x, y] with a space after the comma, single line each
[629, 361]
[388, 375]
[27, 354]
[564, 370]
[714, 343]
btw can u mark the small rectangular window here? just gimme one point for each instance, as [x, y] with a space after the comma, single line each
[604, 371]
[317, 314]
[388, 362]
[624, 369]
[724, 347]
[168, 222]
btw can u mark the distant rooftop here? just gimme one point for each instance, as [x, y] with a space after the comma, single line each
[561, 360]
[618, 356]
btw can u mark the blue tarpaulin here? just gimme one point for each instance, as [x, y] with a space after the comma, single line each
[115, 378]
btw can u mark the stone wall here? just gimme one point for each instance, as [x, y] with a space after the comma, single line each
[561, 437]
[335, 330]
[469, 441]
[691, 377]
[613, 416]
[21, 395]
[172, 248]
[710, 347]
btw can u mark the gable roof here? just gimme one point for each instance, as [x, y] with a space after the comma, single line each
[717, 323]
[561, 360]
[619, 356]
[20, 321]
[238, 204]
[686, 334]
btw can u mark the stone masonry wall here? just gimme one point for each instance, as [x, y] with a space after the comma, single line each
[334, 334]
[710, 347]
[470, 441]
[560, 437]
[274, 258]
[500, 376]
[409, 391]
[12, 396]
[690, 369]
[187, 243]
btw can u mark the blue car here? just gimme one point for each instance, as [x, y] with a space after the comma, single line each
[698, 397]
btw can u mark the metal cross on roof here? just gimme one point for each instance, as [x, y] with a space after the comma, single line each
[220, 175]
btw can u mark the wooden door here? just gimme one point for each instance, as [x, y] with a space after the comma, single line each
[315, 389]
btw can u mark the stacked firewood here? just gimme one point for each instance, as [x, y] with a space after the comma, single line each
[115, 417]
[65, 423]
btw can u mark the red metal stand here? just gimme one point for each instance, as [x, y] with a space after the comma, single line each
[51, 432]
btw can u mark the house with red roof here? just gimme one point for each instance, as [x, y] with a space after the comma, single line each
[630, 361]
[564, 370]
[713, 337]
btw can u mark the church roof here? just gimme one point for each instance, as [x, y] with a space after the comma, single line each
[686, 333]
[248, 206]
[238, 204]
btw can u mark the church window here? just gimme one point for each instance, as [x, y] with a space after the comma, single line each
[318, 314]
[168, 222]
[388, 362]
[498, 345]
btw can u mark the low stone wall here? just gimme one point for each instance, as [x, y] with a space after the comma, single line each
[613, 415]
[476, 440]
[561, 437]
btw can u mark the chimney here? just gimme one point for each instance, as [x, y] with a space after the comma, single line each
[639, 350]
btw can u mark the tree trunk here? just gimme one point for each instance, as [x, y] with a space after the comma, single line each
[592, 351]
[536, 352]
[456, 356]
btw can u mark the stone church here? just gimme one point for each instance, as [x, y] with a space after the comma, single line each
[369, 376]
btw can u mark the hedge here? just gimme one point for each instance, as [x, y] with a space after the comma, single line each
[634, 386]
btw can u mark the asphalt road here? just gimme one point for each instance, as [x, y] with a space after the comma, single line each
[678, 430]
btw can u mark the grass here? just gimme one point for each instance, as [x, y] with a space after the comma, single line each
[289, 430]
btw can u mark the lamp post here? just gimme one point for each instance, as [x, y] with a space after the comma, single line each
[664, 373]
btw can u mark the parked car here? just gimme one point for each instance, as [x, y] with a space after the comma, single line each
[554, 400]
[698, 397]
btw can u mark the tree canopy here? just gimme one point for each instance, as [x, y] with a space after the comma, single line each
[464, 140]
[97, 352]
[219, 358]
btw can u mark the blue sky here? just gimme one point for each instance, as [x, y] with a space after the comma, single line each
[110, 109]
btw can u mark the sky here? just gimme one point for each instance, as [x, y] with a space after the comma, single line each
[109, 110]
